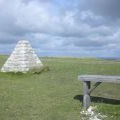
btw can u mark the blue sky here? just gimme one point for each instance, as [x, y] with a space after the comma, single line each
[81, 28]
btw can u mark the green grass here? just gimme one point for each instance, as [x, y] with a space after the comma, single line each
[52, 95]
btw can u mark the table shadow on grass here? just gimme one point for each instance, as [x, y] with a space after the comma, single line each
[98, 100]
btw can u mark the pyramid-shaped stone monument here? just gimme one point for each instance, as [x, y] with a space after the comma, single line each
[22, 59]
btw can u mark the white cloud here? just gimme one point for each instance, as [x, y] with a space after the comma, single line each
[53, 28]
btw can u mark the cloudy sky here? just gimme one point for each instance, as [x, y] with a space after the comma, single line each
[62, 27]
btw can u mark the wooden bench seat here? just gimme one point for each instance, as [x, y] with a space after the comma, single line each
[87, 79]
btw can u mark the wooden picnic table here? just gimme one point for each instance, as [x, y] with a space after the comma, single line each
[87, 79]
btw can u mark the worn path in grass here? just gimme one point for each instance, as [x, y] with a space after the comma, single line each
[56, 94]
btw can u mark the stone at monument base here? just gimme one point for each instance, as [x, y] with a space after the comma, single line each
[22, 59]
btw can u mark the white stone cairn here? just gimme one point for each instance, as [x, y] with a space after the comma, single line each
[22, 59]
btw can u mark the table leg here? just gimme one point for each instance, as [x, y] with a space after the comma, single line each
[86, 96]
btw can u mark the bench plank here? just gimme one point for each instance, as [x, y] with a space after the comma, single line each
[99, 78]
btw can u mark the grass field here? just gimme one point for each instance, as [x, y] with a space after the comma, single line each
[57, 94]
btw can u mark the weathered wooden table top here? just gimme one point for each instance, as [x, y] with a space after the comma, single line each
[99, 78]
